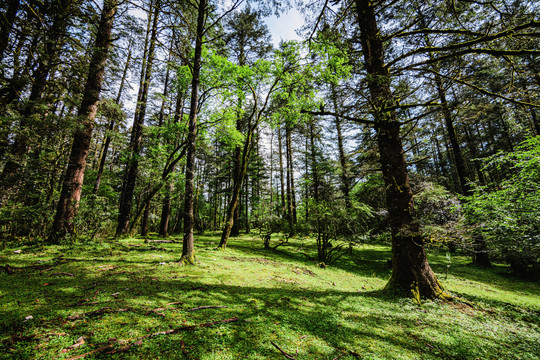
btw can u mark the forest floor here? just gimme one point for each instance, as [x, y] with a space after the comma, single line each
[131, 299]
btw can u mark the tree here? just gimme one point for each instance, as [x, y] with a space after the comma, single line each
[73, 179]
[130, 176]
[188, 247]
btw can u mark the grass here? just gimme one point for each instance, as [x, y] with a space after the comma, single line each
[117, 294]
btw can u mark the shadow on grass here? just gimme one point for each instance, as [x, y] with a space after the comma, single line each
[321, 324]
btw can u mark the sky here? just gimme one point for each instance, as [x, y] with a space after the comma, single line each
[284, 26]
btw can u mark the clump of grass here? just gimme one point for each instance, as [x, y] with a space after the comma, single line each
[134, 291]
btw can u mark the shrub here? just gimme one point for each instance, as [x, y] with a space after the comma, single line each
[508, 214]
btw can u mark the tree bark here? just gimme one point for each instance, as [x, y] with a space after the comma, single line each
[73, 180]
[411, 272]
[233, 203]
[130, 178]
[281, 177]
[188, 248]
[110, 129]
[343, 161]
[291, 195]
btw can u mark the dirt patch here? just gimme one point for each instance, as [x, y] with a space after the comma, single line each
[464, 308]
[303, 271]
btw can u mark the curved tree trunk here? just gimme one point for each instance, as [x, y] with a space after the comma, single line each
[73, 180]
[411, 272]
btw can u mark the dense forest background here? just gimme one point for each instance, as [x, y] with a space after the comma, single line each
[410, 122]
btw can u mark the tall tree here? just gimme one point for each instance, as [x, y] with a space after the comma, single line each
[130, 177]
[73, 179]
[410, 268]
[188, 246]
[248, 40]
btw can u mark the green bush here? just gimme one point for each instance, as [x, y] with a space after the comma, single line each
[509, 214]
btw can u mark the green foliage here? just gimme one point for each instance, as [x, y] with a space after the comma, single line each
[334, 226]
[508, 214]
[441, 216]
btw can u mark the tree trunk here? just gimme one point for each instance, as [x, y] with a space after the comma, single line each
[6, 24]
[47, 60]
[166, 207]
[130, 178]
[166, 212]
[314, 172]
[291, 195]
[145, 217]
[188, 248]
[454, 144]
[343, 161]
[111, 126]
[411, 272]
[73, 179]
[281, 177]
[246, 152]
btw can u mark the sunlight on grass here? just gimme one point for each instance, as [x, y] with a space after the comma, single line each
[131, 289]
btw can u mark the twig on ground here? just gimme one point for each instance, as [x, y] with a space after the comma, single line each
[63, 274]
[207, 307]
[96, 312]
[80, 341]
[138, 341]
[287, 355]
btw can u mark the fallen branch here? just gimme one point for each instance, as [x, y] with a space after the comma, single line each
[91, 352]
[288, 356]
[63, 274]
[80, 341]
[162, 241]
[45, 270]
[207, 307]
[138, 341]
[96, 312]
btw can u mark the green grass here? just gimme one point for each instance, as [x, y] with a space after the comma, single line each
[309, 312]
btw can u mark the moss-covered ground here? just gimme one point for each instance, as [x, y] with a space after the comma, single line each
[131, 299]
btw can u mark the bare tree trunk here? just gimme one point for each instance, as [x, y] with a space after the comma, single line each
[411, 272]
[166, 207]
[128, 188]
[145, 217]
[188, 248]
[314, 172]
[281, 177]
[291, 195]
[73, 179]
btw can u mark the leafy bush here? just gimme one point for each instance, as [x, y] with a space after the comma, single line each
[509, 214]
[330, 223]
[441, 215]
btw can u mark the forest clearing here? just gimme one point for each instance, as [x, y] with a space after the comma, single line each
[124, 298]
[199, 179]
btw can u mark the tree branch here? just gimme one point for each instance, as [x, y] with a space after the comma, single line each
[323, 113]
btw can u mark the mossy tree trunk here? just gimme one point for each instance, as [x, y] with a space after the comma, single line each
[411, 272]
